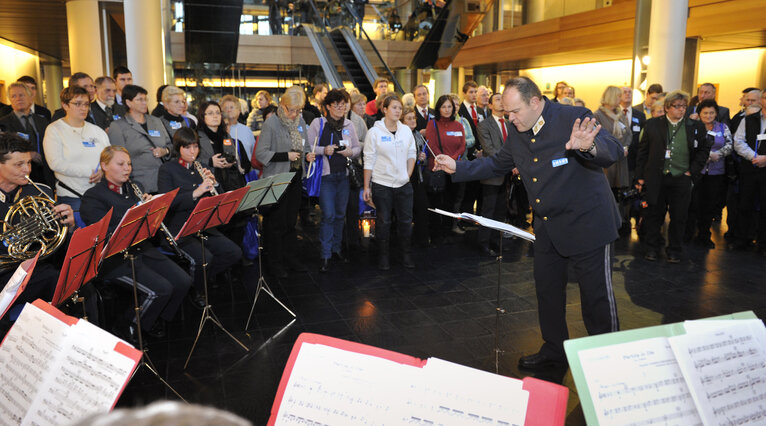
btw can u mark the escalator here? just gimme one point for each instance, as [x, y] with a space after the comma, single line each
[358, 68]
[325, 60]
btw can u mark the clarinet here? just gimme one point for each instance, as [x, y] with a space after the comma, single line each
[163, 228]
[198, 167]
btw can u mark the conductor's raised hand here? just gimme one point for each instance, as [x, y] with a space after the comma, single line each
[444, 163]
[583, 134]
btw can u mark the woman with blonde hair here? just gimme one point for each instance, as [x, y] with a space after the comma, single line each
[283, 147]
[611, 118]
[174, 100]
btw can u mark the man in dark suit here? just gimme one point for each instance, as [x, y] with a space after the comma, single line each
[122, 77]
[482, 101]
[423, 112]
[637, 119]
[104, 108]
[707, 91]
[492, 135]
[560, 153]
[30, 127]
[31, 83]
[750, 143]
[652, 94]
[749, 104]
[83, 80]
[671, 154]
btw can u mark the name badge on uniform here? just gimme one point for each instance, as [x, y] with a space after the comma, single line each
[559, 162]
[636, 128]
[154, 133]
[89, 144]
[116, 117]
[385, 138]
[23, 136]
[761, 137]
[667, 154]
[539, 125]
[175, 125]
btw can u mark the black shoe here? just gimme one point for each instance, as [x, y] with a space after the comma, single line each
[196, 299]
[540, 361]
[158, 330]
[673, 258]
[651, 256]
[487, 251]
[339, 257]
[325, 265]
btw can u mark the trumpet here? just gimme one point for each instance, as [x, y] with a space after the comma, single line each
[29, 226]
[163, 228]
[200, 170]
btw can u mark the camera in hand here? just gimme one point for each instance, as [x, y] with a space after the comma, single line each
[630, 195]
[229, 158]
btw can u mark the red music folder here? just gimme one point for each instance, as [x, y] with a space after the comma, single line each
[82, 258]
[16, 285]
[133, 229]
[332, 380]
[212, 211]
[57, 369]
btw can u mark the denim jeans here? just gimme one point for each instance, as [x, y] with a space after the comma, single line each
[333, 197]
[387, 200]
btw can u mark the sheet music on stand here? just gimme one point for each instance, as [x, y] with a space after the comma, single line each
[697, 372]
[332, 381]
[489, 223]
[17, 284]
[56, 369]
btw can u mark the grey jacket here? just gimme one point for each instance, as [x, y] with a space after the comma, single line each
[491, 140]
[139, 143]
[276, 138]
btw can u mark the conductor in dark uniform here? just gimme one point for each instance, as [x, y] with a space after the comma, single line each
[560, 153]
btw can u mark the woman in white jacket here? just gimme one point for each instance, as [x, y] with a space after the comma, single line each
[389, 158]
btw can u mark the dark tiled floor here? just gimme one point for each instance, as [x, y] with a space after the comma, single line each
[444, 308]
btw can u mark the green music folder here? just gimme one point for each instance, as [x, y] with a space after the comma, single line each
[265, 191]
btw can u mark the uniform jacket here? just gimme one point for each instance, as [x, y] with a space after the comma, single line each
[99, 115]
[573, 205]
[139, 143]
[652, 147]
[491, 140]
[173, 175]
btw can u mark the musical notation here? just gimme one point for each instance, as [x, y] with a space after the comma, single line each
[650, 388]
[726, 370]
[328, 385]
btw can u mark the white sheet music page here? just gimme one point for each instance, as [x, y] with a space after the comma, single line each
[726, 371]
[453, 394]
[501, 226]
[12, 287]
[638, 383]
[333, 386]
[25, 355]
[88, 377]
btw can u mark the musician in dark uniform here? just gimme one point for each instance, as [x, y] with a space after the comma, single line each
[560, 153]
[220, 252]
[15, 166]
[163, 284]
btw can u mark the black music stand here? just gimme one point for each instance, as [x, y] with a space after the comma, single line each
[208, 213]
[139, 223]
[503, 229]
[263, 192]
[81, 262]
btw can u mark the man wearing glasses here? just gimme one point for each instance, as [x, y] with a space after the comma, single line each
[671, 154]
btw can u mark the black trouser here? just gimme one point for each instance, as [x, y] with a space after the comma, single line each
[161, 283]
[351, 227]
[468, 195]
[420, 213]
[279, 236]
[674, 196]
[220, 254]
[492, 207]
[388, 199]
[593, 271]
[752, 192]
[706, 197]
[438, 224]
[519, 201]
